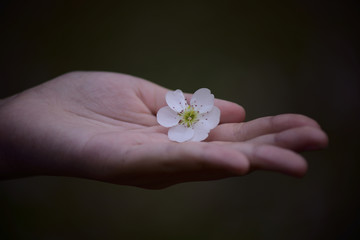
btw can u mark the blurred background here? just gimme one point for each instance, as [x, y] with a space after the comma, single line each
[272, 57]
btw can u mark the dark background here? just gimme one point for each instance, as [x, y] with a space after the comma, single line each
[272, 57]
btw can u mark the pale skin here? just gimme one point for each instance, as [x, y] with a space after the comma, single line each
[102, 126]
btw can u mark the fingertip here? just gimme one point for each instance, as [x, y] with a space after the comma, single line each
[302, 139]
[320, 140]
[280, 160]
[300, 170]
[230, 111]
[242, 113]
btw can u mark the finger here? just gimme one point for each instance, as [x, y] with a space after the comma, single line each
[162, 165]
[236, 132]
[272, 158]
[298, 139]
[230, 112]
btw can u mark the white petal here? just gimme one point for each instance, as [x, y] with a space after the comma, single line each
[202, 100]
[167, 117]
[211, 119]
[180, 133]
[176, 100]
[200, 133]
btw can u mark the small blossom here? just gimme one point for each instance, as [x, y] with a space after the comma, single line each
[189, 122]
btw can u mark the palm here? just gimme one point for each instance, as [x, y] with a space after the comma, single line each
[106, 129]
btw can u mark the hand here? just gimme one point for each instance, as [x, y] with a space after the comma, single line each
[103, 126]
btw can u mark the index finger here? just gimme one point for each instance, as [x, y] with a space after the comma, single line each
[230, 111]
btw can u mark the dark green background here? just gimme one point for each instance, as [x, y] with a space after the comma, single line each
[272, 57]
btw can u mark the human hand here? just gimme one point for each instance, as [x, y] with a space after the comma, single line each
[103, 126]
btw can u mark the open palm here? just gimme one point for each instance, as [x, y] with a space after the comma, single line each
[103, 126]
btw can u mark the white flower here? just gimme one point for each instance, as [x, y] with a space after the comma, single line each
[189, 122]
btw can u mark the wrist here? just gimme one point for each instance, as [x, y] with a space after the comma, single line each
[10, 166]
[6, 168]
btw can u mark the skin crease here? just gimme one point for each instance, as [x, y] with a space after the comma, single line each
[102, 126]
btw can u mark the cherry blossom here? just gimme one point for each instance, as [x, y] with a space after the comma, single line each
[189, 122]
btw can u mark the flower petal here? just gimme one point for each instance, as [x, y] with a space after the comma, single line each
[167, 117]
[176, 100]
[180, 133]
[211, 119]
[200, 133]
[202, 100]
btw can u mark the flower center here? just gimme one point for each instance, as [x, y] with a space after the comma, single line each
[189, 117]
